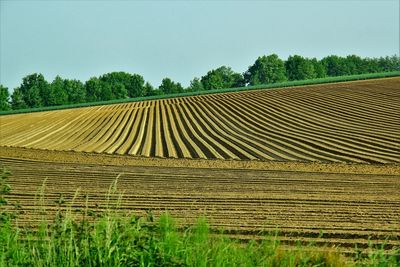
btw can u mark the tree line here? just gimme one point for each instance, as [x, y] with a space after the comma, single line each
[35, 91]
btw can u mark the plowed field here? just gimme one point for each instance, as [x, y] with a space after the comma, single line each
[301, 160]
[347, 208]
[355, 122]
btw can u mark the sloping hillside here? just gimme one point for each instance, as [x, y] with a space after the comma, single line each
[342, 122]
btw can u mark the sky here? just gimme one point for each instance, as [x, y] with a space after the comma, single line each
[183, 39]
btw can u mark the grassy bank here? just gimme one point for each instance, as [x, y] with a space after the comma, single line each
[112, 240]
[238, 89]
[109, 238]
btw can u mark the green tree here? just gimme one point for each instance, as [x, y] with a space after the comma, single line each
[335, 65]
[93, 89]
[134, 84]
[106, 92]
[196, 85]
[33, 97]
[120, 91]
[237, 80]
[356, 65]
[391, 63]
[169, 87]
[48, 95]
[222, 77]
[148, 89]
[4, 98]
[17, 99]
[319, 68]
[75, 90]
[266, 69]
[299, 68]
[59, 91]
[35, 90]
[137, 86]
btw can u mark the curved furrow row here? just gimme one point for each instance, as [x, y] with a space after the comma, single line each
[335, 144]
[108, 122]
[257, 127]
[78, 132]
[362, 96]
[338, 106]
[234, 143]
[286, 124]
[313, 117]
[22, 127]
[75, 130]
[331, 116]
[37, 134]
[84, 132]
[14, 123]
[343, 122]
[210, 146]
[185, 133]
[263, 130]
[276, 151]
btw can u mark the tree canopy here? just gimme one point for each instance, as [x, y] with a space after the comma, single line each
[35, 91]
[266, 69]
[299, 68]
[4, 98]
[169, 87]
[222, 77]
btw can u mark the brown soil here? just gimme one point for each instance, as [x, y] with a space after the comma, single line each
[246, 199]
[127, 160]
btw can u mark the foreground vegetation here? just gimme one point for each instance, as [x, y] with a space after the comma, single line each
[35, 91]
[89, 238]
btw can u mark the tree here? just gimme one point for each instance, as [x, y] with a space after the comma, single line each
[33, 98]
[195, 85]
[93, 89]
[106, 92]
[120, 91]
[75, 90]
[48, 95]
[4, 98]
[266, 69]
[148, 89]
[134, 84]
[335, 66]
[59, 91]
[355, 65]
[389, 63]
[237, 80]
[299, 68]
[319, 68]
[222, 77]
[169, 87]
[137, 86]
[17, 99]
[35, 90]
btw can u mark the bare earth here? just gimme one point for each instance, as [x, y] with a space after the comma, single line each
[245, 199]
[303, 161]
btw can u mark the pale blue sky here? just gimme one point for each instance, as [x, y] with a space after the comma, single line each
[183, 39]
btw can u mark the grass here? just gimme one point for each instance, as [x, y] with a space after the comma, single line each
[214, 91]
[109, 238]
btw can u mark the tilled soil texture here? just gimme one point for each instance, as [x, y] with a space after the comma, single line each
[348, 209]
[355, 122]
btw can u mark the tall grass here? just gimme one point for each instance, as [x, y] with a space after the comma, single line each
[214, 91]
[110, 238]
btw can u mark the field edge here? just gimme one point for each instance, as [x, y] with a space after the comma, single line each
[287, 84]
[21, 153]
